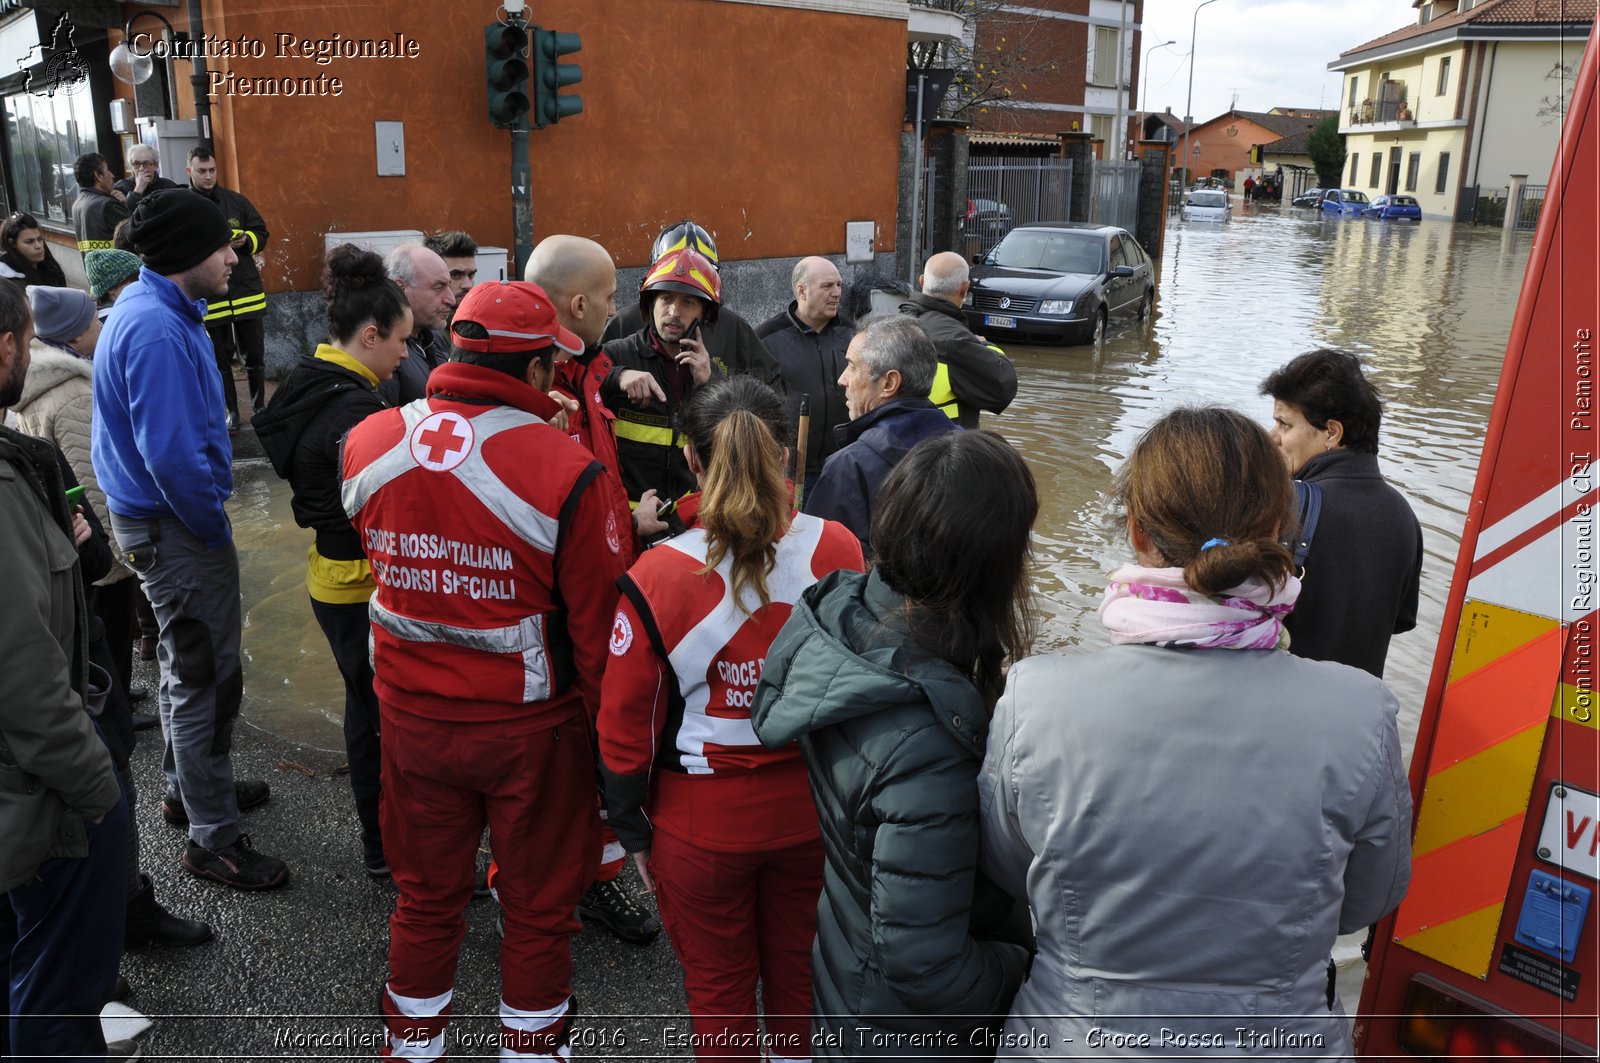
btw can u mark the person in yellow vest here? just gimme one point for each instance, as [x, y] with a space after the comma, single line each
[973, 375]
[236, 321]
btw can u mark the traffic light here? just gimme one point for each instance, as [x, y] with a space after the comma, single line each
[503, 46]
[550, 76]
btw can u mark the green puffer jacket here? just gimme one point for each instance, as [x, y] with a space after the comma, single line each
[893, 738]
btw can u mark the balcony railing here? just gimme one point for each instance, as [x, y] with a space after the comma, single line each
[1389, 112]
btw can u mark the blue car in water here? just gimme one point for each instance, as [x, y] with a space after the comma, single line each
[1395, 208]
[1344, 201]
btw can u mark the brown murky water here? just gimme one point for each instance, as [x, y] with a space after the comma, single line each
[1429, 305]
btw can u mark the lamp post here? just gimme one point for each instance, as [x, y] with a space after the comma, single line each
[1188, 105]
[133, 67]
[1144, 94]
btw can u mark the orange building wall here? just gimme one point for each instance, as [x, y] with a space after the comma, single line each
[770, 126]
[1218, 150]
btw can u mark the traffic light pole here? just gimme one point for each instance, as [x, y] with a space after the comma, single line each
[521, 198]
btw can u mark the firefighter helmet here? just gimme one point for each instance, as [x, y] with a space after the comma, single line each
[685, 234]
[684, 270]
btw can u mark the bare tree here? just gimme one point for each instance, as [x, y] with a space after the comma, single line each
[1554, 108]
[1002, 51]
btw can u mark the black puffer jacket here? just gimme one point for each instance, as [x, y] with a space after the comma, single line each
[301, 430]
[893, 739]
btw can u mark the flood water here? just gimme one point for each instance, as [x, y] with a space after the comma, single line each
[1428, 305]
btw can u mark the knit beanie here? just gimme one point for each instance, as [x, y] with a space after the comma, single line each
[107, 268]
[60, 315]
[176, 229]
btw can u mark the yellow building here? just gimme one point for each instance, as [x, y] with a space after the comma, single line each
[1450, 107]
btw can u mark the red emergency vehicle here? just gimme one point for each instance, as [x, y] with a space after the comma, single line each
[1494, 951]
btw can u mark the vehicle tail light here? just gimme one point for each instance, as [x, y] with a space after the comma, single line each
[972, 210]
[1439, 1023]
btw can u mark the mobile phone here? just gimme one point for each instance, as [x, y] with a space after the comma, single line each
[692, 331]
[76, 495]
[666, 509]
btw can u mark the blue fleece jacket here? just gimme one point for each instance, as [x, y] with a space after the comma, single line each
[160, 443]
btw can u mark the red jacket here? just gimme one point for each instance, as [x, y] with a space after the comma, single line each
[580, 379]
[495, 560]
[678, 691]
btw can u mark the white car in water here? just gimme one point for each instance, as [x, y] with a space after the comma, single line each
[1206, 204]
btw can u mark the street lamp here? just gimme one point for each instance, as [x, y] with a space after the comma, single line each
[1188, 105]
[1144, 94]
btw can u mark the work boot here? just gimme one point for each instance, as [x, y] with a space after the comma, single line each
[143, 721]
[612, 907]
[257, 379]
[151, 924]
[247, 792]
[237, 865]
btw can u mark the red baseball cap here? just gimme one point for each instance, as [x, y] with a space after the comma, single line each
[518, 316]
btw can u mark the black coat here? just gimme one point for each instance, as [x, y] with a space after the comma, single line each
[302, 430]
[871, 446]
[734, 348]
[811, 362]
[132, 198]
[981, 377]
[1365, 566]
[656, 461]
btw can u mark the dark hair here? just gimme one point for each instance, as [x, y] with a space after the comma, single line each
[357, 290]
[451, 244]
[120, 238]
[951, 531]
[1204, 473]
[86, 167]
[202, 152]
[736, 427]
[1329, 385]
[514, 364]
[48, 273]
[14, 312]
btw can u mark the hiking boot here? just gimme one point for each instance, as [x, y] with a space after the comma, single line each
[612, 907]
[248, 792]
[237, 865]
[151, 924]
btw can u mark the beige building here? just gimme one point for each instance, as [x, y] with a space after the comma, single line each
[1450, 107]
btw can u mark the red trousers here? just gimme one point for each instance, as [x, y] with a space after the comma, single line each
[533, 785]
[733, 918]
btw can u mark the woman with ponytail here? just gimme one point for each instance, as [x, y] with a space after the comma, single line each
[887, 681]
[1194, 814]
[326, 394]
[720, 827]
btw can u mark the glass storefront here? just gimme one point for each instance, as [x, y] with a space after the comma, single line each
[45, 134]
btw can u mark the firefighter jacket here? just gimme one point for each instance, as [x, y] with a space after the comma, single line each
[580, 379]
[972, 375]
[649, 444]
[246, 297]
[731, 341]
[95, 216]
[496, 563]
[685, 661]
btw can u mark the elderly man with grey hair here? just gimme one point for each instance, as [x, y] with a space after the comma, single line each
[888, 369]
[146, 167]
[425, 279]
[973, 375]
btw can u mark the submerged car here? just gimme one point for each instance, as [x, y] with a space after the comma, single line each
[1344, 201]
[1060, 282]
[1205, 204]
[1395, 208]
[1312, 197]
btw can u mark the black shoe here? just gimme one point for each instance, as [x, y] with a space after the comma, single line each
[237, 865]
[612, 907]
[147, 647]
[137, 693]
[143, 721]
[248, 792]
[376, 864]
[121, 990]
[233, 422]
[151, 924]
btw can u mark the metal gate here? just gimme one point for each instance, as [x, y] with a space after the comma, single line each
[1530, 201]
[1007, 191]
[1114, 194]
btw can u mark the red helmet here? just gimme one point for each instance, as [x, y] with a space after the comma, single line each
[684, 270]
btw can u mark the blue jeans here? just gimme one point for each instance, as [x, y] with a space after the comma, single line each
[61, 937]
[195, 595]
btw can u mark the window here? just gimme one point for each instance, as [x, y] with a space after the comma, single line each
[1444, 77]
[1355, 166]
[1377, 170]
[1103, 127]
[46, 134]
[1413, 170]
[1105, 56]
[1355, 90]
[1440, 185]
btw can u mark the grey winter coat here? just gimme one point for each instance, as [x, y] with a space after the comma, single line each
[892, 739]
[1192, 829]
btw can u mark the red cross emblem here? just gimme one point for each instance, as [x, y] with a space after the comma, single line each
[442, 441]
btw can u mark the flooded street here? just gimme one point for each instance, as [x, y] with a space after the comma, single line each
[1429, 305]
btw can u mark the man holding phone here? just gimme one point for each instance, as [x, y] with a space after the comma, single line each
[656, 369]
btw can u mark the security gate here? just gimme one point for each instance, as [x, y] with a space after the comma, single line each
[1114, 194]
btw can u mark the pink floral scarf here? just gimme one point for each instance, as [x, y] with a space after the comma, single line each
[1154, 605]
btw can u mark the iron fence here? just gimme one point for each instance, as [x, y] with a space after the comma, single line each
[1114, 194]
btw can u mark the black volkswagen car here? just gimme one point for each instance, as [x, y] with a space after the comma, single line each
[1060, 282]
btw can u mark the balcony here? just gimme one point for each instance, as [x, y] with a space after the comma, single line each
[1377, 116]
